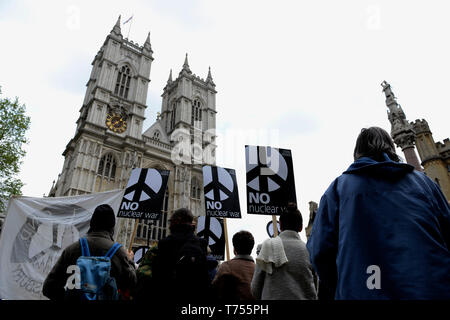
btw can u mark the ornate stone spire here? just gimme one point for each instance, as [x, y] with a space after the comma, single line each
[395, 113]
[401, 130]
[186, 65]
[116, 29]
[209, 78]
[147, 44]
[170, 77]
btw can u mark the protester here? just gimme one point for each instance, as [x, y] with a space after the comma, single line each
[180, 269]
[382, 230]
[234, 277]
[144, 290]
[100, 240]
[212, 265]
[283, 270]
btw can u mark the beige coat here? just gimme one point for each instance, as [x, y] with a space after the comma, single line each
[232, 281]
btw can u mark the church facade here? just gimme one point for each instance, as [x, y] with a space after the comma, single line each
[110, 140]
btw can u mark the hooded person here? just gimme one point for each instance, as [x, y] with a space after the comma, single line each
[100, 240]
[382, 230]
[180, 267]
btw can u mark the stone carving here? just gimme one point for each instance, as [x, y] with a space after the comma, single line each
[421, 126]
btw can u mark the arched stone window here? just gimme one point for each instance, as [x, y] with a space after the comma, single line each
[173, 115]
[195, 189]
[123, 82]
[107, 166]
[196, 114]
[158, 229]
[156, 135]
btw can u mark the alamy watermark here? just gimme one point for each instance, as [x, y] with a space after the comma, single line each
[374, 280]
[194, 146]
[373, 21]
[73, 17]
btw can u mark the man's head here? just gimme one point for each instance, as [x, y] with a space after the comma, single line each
[243, 242]
[180, 217]
[103, 219]
[373, 142]
[291, 219]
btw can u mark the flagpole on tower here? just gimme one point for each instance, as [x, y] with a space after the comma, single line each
[128, 35]
[129, 28]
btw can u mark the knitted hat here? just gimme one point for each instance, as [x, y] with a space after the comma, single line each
[103, 218]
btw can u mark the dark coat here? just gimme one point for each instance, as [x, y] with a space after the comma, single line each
[196, 285]
[388, 215]
[122, 269]
[233, 279]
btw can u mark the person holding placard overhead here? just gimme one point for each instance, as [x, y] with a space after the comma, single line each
[283, 270]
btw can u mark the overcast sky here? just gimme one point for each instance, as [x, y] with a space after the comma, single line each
[300, 75]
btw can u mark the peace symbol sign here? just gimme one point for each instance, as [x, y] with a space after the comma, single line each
[218, 184]
[209, 228]
[264, 174]
[143, 184]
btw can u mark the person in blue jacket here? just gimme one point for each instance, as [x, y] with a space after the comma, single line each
[382, 230]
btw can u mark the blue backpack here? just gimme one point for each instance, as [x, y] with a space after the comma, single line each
[95, 279]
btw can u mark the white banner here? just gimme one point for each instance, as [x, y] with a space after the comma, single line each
[35, 233]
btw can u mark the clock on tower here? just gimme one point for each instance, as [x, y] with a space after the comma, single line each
[116, 122]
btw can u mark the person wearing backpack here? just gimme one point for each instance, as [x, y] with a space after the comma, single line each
[180, 270]
[119, 271]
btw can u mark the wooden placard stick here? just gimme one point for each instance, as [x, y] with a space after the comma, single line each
[225, 230]
[275, 226]
[133, 235]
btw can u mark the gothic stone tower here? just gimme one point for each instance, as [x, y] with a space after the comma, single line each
[109, 142]
[187, 122]
[108, 138]
[313, 207]
[435, 157]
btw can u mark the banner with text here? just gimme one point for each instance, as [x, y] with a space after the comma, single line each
[221, 192]
[270, 180]
[212, 230]
[35, 233]
[144, 194]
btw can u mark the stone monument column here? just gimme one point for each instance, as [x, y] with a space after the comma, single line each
[402, 132]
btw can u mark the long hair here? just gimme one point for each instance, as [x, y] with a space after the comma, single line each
[373, 142]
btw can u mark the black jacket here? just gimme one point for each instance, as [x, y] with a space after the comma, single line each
[193, 286]
[122, 269]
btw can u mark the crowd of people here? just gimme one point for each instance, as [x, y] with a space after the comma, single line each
[382, 231]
